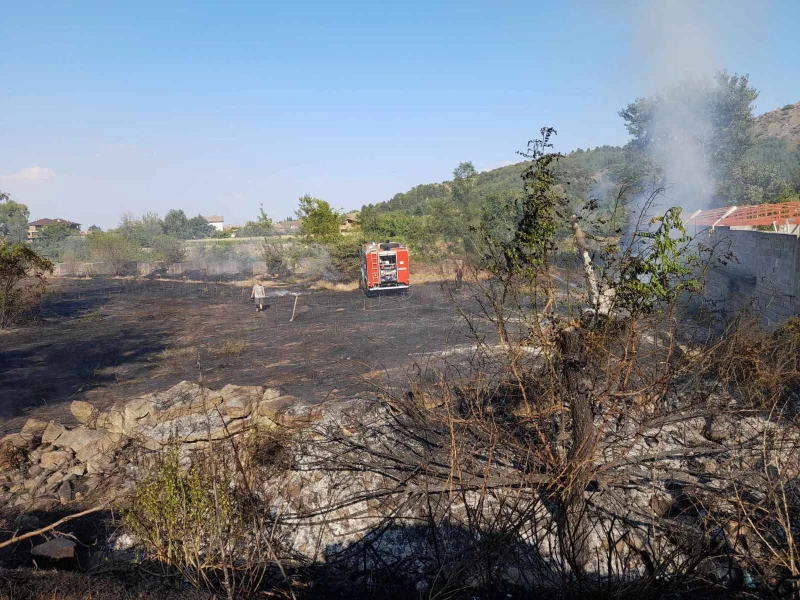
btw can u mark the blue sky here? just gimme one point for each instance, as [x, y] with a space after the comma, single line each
[114, 107]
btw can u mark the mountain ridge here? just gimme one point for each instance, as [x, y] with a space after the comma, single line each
[782, 123]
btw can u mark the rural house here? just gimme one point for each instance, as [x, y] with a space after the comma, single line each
[351, 221]
[217, 221]
[35, 228]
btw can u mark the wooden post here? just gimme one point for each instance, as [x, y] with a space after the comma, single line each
[294, 308]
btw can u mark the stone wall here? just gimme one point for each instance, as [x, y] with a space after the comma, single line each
[763, 272]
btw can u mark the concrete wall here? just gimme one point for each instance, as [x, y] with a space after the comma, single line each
[143, 269]
[763, 272]
[225, 267]
[83, 269]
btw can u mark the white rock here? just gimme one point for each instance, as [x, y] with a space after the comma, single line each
[124, 542]
[34, 427]
[52, 432]
[78, 438]
[16, 440]
[100, 464]
[85, 413]
[55, 458]
[138, 408]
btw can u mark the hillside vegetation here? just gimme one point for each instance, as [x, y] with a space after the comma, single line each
[783, 124]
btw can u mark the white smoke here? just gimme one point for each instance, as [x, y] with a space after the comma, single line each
[675, 40]
[683, 125]
[679, 45]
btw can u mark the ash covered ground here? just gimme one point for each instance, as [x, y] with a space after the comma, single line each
[104, 340]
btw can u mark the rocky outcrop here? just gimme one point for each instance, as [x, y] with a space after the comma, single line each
[47, 464]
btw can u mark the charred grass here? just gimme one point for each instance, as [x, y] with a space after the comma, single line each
[106, 340]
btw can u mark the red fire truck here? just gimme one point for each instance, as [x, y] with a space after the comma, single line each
[384, 267]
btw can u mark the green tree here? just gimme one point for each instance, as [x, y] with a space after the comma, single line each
[198, 228]
[114, 248]
[754, 183]
[141, 230]
[779, 154]
[656, 269]
[446, 223]
[520, 258]
[13, 220]
[94, 229]
[464, 179]
[176, 224]
[22, 279]
[710, 120]
[168, 249]
[262, 226]
[319, 222]
[51, 241]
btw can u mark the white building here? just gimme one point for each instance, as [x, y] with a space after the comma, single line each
[217, 221]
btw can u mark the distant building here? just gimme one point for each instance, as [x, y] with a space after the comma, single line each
[286, 227]
[217, 221]
[35, 228]
[350, 222]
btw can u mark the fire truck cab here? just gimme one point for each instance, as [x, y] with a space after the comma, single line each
[384, 267]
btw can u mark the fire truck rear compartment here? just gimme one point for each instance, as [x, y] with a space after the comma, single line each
[388, 262]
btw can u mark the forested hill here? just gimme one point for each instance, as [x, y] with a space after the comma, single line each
[584, 168]
[445, 211]
[783, 123]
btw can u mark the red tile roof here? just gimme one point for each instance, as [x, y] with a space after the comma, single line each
[45, 222]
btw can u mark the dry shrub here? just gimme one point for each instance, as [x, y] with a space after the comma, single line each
[169, 361]
[13, 457]
[331, 286]
[761, 367]
[202, 522]
[232, 349]
[271, 451]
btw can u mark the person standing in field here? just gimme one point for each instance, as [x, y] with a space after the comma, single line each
[459, 276]
[258, 295]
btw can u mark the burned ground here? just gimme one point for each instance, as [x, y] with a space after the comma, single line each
[105, 340]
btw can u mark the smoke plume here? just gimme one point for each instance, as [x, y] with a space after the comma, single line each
[679, 44]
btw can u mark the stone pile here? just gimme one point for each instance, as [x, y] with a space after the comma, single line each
[48, 464]
[358, 474]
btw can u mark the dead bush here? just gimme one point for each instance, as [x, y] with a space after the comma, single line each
[761, 367]
[232, 349]
[271, 451]
[13, 457]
